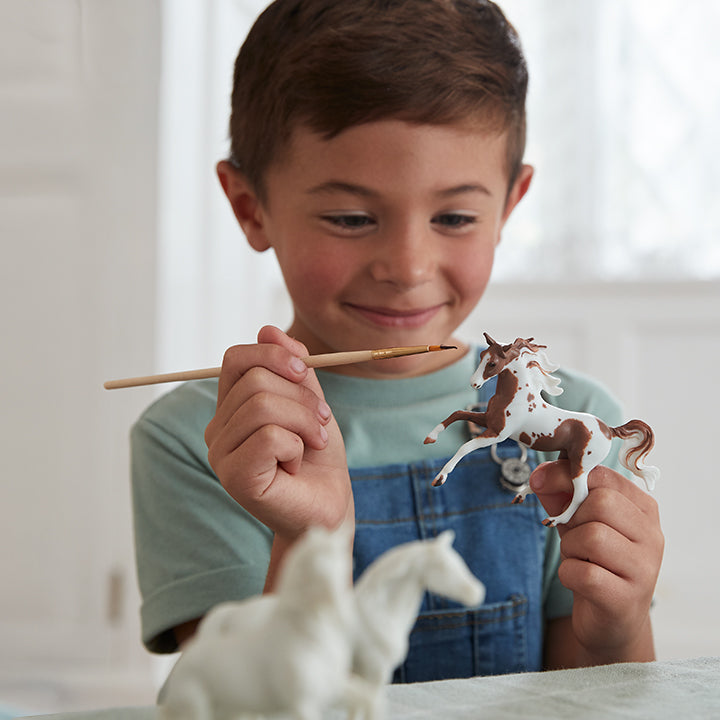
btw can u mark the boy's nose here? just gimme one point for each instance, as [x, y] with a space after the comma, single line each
[406, 259]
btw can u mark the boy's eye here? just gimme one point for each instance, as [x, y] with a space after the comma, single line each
[349, 221]
[454, 221]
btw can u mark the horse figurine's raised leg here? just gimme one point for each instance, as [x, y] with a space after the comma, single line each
[480, 441]
[479, 418]
[485, 439]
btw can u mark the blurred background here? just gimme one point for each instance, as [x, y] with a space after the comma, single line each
[120, 257]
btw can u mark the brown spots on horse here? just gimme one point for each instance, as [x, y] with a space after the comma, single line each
[525, 439]
[507, 387]
[606, 431]
[571, 436]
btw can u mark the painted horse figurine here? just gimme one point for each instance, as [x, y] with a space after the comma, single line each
[518, 411]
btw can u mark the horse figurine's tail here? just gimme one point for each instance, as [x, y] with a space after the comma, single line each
[638, 441]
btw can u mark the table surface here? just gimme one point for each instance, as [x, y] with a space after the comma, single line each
[680, 689]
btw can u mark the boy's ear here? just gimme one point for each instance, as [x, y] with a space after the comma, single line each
[518, 190]
[245, 204]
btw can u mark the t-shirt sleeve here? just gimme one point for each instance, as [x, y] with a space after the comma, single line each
[195, 546]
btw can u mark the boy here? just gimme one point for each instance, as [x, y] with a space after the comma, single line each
[377, 150]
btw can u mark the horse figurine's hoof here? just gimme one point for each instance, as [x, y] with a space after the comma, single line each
[439, 480]
[518, 499]
[549, 522]
[432, 436]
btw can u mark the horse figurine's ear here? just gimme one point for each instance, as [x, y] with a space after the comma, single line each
[446, 538]
[498, 348]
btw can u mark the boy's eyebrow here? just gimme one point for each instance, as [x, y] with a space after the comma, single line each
[466, 188]
[340, 186]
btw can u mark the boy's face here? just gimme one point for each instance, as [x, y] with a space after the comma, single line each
[385, 234]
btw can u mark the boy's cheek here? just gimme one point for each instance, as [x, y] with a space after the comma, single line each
[321, 264]
[315, 284]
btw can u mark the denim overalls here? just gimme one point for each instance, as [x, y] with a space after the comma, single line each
[503, 544]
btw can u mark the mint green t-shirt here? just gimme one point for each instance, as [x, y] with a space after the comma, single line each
[196, 547]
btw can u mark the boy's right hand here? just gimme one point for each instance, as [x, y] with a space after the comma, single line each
[273, 441]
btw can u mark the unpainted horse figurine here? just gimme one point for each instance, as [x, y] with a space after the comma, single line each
[517, 410]
[285, 652]
[389, 594]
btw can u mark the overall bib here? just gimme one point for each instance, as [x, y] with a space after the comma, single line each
[503, 545]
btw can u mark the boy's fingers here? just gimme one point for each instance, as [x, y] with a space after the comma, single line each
[271, 334]
[600, 544]
[274, 336]
[602, 476]
[281, 356]
[602, 587]
[261, 410]
[265, 383]
[551, 483]
[257, 461]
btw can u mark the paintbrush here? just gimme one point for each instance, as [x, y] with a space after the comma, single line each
[312, 361]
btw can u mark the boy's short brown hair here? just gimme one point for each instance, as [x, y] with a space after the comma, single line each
[334, 64]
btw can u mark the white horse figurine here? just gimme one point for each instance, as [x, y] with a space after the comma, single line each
[518, 411]
[389, 594]
[285, 652]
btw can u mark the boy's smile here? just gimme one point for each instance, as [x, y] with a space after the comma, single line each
[385, 234]
[392, 318]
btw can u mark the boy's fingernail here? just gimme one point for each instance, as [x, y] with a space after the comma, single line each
[298, 366]
[324, 410]
[323, 434]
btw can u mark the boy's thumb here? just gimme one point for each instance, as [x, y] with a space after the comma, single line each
[552, 485]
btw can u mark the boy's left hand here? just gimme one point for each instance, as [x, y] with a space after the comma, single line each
[611, 552]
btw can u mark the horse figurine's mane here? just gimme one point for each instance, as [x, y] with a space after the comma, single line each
[540, 366]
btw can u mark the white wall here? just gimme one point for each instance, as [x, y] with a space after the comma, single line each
[78, 161]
